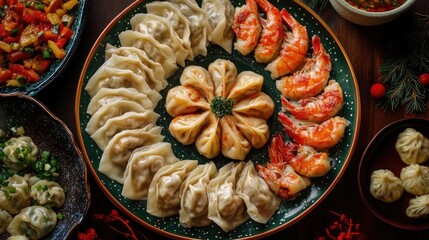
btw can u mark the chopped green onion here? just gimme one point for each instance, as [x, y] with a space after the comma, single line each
[46, 54]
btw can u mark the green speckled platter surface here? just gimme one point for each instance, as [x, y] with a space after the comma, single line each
[290, 211]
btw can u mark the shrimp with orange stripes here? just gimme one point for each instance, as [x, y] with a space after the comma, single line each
[272, 33]
[247, 27]
[320, 136]
[311, 79]
[320, 108]
[293, 50]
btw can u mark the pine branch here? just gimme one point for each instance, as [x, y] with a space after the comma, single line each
[316, 4]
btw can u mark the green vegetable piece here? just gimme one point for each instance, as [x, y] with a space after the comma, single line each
[221, 106]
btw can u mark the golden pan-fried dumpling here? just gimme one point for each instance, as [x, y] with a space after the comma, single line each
[46, 192]
[223, 73]
[260, 105]
[193, 196]
[5, 219]
[129, 120]
[198, 77]
[260, 201]
[385, 186]
[186, 128]
[35, 222]
[418, 207]
[110, 110]
[220, 16]
[117, 153]
[136, 53]
[183, 100]
[143, 164]
[412, 146]
[162, 31]
[17, 199]
[234, 144]
[106, 95]
[156, 51]
[415, 179]
[226, 208]
[208, 141]
[177, 20]
[163, 197]
[198, 25]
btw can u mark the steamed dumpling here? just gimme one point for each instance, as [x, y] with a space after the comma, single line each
[415, 179]
[163, 198]
[46, 192]
[142, 166]
[260, 201]
[13, 159]
[385, 186]
[418, 207]
[226, 208]
[5, 219]
[412, 146]
[35, 222]
[15, 195]
[193, 196]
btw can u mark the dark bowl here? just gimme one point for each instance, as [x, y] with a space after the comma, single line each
[58, 65]
[51, 134]
[381, 154]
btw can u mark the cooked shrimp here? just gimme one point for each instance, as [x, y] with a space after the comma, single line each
[311, 79]
[247, 27]
[320, 108]
[319, 136]
[283, 181]
[305, 160]
[293, 50]
[272, 33]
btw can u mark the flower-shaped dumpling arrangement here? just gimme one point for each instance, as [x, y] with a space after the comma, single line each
[219, 110]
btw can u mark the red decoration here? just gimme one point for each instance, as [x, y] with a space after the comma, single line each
[424, 79]
[342, 229]
[377, 90]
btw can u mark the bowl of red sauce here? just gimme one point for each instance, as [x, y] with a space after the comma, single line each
[371, 12]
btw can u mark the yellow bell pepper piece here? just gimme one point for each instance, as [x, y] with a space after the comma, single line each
[69, 5]
[53, 18]
[58, 52]
[5, 47]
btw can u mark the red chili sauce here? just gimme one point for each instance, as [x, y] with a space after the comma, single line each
[376, 5]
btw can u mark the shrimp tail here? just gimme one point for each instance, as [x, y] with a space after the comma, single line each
[265, 5]
[290, 21]
[279, 152]
[287, 123]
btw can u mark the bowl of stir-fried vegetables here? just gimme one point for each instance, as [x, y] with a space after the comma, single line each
[37, 40]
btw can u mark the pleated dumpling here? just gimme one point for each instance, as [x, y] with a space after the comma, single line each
[155, 50]
[385, 186]
[415, 179]
[117, 153]
[254, 129]
[208, 141]
[155, 82]
[143, 164]
[226, 208]
[110, 110]
[418, 207]
[198, 77]
[259, 105]
[220, 16]
[247, 84]
[185, 100]
[13, 156]
[186, 128]
[177, 20]
[412, 146]
[110, 77]
[106, 95]
[224, 74]
[234, 145]
[163, 198]
[193, 196]
[35, 222]
[16, 199]
[162, 31]
[129, 120]
[260, 201]
[136, 53]
[198, 25]
[5, 219]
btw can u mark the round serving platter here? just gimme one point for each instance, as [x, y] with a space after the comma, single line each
[290, 211]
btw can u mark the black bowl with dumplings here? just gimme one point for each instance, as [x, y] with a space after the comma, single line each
[381, 154]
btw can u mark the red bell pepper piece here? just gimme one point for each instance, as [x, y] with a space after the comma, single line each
[49, 35]
[61, 41]
[66, 32]
[17, 56]
[20, 70]
[5, 74]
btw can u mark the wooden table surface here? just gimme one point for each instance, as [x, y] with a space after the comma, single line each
[364, 48]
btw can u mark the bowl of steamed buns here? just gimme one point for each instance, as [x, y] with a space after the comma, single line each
[394, 174]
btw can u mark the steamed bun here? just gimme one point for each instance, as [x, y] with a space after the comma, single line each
[418, 207]
[412, 146]
[385, 186]
[415, 179]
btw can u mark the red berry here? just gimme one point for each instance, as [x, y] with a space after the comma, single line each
[377, 90]
[424, 79]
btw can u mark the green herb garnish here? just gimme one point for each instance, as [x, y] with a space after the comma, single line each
[221, 106]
